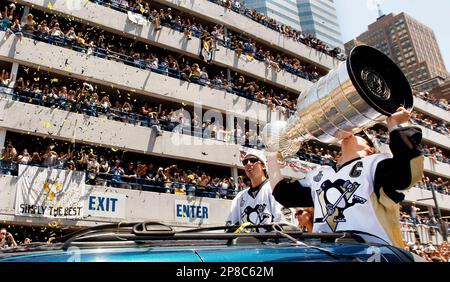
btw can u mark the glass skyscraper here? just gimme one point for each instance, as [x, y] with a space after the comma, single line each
[283, 11]
[319, 17]
[316, 17]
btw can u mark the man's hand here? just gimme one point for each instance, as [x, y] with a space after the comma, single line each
[273, 169]
[400, 116]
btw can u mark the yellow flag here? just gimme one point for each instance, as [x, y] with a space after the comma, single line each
[50, 5]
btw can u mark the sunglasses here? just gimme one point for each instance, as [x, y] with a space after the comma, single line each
[250, 160]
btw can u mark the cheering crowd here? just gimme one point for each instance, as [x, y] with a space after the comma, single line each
[85, 98]
[190, 25]
[116, 168]
[95, 42]
[440, 102]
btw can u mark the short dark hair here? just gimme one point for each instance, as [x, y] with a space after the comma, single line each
[369, 138]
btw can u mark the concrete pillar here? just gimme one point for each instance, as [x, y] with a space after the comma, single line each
[273, 115]
[229, 119]
[2, 138]
[13, 73]
[234, 174]
[26, 11]
[430, 211]
[240, 122]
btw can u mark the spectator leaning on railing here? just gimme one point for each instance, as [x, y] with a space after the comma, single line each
[441, 103]
[439, 126]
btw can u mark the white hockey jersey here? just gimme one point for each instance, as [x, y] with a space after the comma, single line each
[343, 199]
[256, 206]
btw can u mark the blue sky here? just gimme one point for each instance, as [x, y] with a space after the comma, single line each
[355, 15]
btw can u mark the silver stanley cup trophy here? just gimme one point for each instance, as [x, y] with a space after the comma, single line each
[352, 97]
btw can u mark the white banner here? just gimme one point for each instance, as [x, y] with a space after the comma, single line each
[109, 205]
[137, 18]
[51, 193]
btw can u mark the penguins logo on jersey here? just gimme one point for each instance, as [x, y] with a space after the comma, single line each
[335, 198]
[256, 215]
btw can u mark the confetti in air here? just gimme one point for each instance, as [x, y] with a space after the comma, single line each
[47, 124]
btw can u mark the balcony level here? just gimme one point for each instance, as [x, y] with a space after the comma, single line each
[437, 139]
[118, 75]
[117, 22]
[62, 125]
[215, 13]
[240, 23]
[439, 169]
[429, 165]
[431, 110]
[426, 197]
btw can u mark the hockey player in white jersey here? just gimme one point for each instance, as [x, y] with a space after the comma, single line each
[255, 205]
[362, 192]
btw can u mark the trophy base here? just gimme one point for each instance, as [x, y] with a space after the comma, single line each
[378, 80]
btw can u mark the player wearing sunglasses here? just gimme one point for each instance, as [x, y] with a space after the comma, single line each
[255, 205]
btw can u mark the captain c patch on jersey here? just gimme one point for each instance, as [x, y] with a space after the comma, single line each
[334, 198]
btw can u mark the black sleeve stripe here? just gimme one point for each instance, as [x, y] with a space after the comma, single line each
[405, 168]
[292, 194]
[405, 142]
